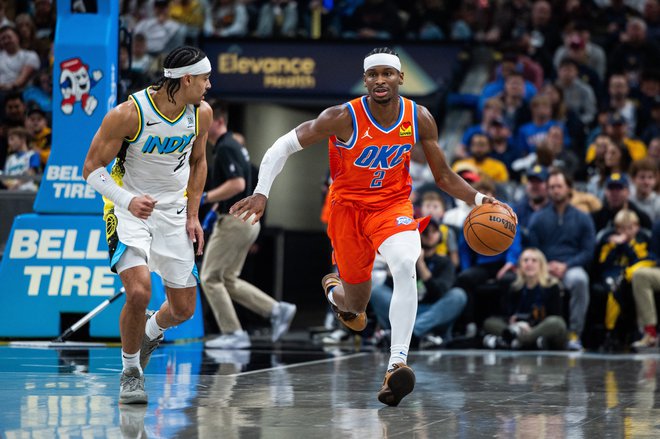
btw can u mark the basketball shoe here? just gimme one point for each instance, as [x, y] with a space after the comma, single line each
[131, 387]
[148, 346]
[356, 322]
[399, 381]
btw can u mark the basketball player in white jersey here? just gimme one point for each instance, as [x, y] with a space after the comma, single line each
[157, 139]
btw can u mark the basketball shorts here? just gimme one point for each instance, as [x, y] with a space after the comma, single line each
[357, 233]
[162, 238]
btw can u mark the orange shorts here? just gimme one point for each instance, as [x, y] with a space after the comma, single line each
[357, 233]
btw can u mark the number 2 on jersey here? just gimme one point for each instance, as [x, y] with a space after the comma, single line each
[378, 179]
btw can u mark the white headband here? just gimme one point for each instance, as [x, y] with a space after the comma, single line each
[382, 59]
[201, 67]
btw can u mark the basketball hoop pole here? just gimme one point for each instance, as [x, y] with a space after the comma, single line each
[89, 316]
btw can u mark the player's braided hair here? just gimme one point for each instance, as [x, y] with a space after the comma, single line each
[179, 57]
[386, 50]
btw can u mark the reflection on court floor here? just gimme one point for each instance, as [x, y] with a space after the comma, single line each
[300, 393]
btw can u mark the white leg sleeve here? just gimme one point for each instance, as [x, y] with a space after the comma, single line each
[401, 252]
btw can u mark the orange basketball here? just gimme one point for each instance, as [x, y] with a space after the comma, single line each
[489, 229]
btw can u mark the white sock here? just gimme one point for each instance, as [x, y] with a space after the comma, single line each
[401, 252]
[152, 330]
[130, 360]
[398, 354]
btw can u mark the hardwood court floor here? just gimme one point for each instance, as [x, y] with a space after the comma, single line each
[294, 392]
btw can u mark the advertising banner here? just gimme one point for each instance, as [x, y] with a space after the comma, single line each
[320, 69]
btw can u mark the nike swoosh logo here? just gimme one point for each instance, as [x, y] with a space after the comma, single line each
[182, 209]
[152, 123]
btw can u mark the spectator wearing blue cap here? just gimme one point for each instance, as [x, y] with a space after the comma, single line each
[567, 238]
[615, 160]
[535, 198]
[617, 197]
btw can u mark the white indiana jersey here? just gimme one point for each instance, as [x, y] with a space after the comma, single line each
[156, 161]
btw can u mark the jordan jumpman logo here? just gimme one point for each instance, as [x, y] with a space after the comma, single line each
[366, 134]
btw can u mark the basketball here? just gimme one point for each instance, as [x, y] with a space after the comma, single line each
[489, 229]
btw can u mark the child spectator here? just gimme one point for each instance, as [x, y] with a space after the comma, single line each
[21, 161]
[434, 206]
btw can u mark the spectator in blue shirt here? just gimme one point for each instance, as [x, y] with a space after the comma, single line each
[535, 198]
[533, 133]
[567, 238]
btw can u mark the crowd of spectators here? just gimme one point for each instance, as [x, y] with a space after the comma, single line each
[566, 131]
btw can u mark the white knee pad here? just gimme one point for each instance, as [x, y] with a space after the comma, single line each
[401, 251]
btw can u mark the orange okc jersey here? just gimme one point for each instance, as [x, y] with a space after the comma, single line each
[371, 169]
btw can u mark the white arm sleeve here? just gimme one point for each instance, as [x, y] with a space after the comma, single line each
[106, 186]
[274, 160]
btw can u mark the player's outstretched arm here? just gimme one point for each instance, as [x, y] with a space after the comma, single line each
[446, 179]
[332, 121]
[122, 122]
[197, 178]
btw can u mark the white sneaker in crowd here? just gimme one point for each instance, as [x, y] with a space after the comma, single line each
[236, 340]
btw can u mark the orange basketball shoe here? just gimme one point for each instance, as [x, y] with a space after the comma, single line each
[356, 322]
[399, 381]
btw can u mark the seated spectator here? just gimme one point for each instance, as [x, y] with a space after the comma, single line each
[161, 32]
[440, 303]
[535, 198]
[622, 249]
[515, 109]
[434, 206]
[141, 62]
[635, 52]
[502, 145]
[652, 19]
[575, 129]
[578, 95]
[644, 176]
[621, 103]
[567, 238]
[616, 160]
[645, 282]
[14, 110]
[616, 198]
[480, 150]
[578, 46]
[277, 18]
[17, 66]
[532, 133]
[543, 30]
[492, 111]
[40, 133]
[41, 93]
[373, 19]
[477, 270]
[44, 19]
[508, 67]
[21, 161]
[533, 307]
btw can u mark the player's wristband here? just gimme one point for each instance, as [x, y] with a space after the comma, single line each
[479, 199]
[104, 184]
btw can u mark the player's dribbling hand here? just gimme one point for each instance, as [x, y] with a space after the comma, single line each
[504, 205]
[250, 207]
[142, 206]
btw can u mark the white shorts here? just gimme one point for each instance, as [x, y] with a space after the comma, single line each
[162, 238]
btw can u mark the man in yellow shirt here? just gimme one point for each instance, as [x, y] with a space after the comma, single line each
[617, 129]
[480, 148]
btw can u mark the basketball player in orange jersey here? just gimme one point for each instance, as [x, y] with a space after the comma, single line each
[371, 210]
